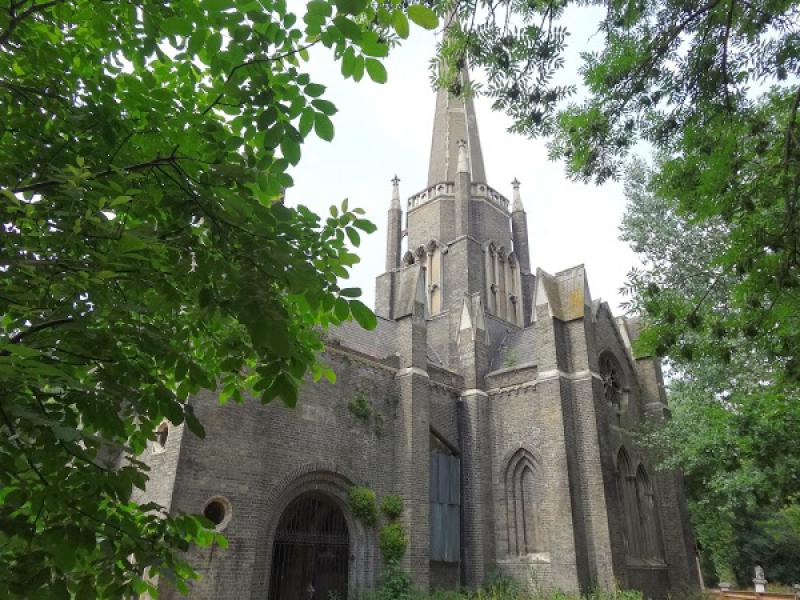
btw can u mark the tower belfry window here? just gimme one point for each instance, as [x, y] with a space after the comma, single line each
[503, 283]
[433, 276]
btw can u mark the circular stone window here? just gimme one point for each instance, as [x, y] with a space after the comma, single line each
[218, 511]
[612, 380]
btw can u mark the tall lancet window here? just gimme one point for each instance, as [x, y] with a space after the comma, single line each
[433, 274]
[503, 283]
[502, 294]
[626, 491]
[525, 505]
[514, 297]
[490, 256]
[652, 545]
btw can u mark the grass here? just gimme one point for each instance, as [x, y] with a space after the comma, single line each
[499, 588]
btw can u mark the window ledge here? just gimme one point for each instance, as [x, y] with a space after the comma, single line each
[644, 563]
[533, 558]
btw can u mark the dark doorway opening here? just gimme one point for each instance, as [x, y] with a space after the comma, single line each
[310, 555]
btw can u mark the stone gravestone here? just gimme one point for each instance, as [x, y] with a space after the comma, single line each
[760, 581]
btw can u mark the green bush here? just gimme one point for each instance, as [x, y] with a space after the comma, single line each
[362, 504]
[395, 584]
[392, 507]
[393, 542]
[360, 407]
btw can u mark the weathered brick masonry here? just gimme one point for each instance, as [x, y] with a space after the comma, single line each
[521, 379]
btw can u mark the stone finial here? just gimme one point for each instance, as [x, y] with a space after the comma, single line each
[517, 203]
[396, 192]
[463, 161]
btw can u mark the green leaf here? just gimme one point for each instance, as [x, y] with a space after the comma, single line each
[324, 106]
[353, 236]
[358, 68]
[290, 149]
[352, 7]
[323, 127]
[350, 292]
[376, 70]
[349, 29]
[306, 122]
[423, 16]
[214, 43]
[372, 48]
[363, 315]
[320, 7]
[365, 225]
[348, 62]
[314, 90]
[400, 23]
[341, 309]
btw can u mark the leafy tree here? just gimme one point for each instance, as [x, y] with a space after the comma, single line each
[733, 419]
[146, 254]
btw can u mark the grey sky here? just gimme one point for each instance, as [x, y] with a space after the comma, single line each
[383, 130]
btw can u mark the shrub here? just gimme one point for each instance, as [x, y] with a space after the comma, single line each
[362, 504]
[392, 507]
[395, 584]
[360, 407]
[393, 542]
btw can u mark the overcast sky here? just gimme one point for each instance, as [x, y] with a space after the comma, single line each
[383, 130]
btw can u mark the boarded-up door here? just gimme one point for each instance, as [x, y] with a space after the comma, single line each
[445, 494]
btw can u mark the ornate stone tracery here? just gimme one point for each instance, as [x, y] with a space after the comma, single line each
[611, 374]
[503, 283]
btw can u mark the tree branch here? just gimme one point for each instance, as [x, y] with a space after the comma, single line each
[17, 19]
[156, 162]
[255, 61]
[16, 339]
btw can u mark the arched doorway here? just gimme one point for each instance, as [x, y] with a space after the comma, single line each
[310, 554]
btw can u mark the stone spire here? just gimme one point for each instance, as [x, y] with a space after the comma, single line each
[394, 228]
[519, 230]
[454, 120]
[516, 205]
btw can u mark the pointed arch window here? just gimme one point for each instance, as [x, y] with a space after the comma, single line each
[643, 536]
[626, 491]
[652, 545]
[525, 506]
[503, 283]
[433, 276]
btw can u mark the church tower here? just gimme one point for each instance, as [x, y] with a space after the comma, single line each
[471, 243]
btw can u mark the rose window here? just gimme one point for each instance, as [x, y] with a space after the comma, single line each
[612, 381]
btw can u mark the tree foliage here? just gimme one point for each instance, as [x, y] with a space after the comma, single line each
[146, 255]
[733, 419]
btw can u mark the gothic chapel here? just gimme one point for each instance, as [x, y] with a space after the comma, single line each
[498, 402]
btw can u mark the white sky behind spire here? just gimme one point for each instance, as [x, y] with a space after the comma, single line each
[383, 130]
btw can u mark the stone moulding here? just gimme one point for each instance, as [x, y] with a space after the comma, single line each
[447, 189]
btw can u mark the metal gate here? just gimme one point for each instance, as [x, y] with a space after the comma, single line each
[310, 555]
